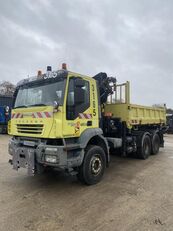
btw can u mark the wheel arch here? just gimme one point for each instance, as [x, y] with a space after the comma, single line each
[95, 137]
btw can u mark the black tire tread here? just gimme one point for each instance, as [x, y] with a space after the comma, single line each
[154, 150]
[140, 152]
[82, 171]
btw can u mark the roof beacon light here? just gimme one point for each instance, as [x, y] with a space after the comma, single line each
[64, 66]
[49, 68]
[39, 73]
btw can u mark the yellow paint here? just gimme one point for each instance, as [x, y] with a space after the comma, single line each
[134, 114]
[69, 129]
[57, 126]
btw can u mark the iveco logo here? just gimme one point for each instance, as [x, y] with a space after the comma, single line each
[50, 74]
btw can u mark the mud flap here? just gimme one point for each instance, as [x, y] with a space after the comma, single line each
[24, 158]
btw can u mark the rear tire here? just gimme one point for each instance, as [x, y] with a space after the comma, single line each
[92, 169]
[144, 147]
[155, 144]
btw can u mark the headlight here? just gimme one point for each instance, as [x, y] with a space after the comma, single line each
[51, 159]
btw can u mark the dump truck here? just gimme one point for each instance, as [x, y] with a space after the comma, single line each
[71, 122]
[5, 112]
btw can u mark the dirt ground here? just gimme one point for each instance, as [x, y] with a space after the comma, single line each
[134, 195]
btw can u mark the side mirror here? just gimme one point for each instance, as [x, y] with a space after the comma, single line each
[55, 104]
[79, 92]
[79, 96]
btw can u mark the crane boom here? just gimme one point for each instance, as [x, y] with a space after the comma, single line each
[106, 85]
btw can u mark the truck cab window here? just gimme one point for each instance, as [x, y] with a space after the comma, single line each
[78, 98]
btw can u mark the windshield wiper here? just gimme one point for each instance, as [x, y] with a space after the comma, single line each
[22, 106]
[38, 104]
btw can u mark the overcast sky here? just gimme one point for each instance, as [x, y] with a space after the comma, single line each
[132, 40]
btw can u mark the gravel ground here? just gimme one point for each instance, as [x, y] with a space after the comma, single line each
[134, 195]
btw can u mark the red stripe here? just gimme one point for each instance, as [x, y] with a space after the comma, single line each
[89, 116]
[39, 114]
[85, 116]
[18, 114]
[47, 114]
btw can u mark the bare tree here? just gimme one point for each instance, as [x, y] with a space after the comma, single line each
[6, 88]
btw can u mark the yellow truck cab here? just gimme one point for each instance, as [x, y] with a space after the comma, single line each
[70, 122]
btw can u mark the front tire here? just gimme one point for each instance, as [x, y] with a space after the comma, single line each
[92, 169]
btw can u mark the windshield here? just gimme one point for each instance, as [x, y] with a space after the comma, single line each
[40, 95]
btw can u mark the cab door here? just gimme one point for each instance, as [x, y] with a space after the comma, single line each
[78, 114]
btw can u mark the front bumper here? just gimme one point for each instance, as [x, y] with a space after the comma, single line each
[34, 157]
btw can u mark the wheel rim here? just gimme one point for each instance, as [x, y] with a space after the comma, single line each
[96, 164]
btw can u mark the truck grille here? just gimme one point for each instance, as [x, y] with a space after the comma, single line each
[30, 128]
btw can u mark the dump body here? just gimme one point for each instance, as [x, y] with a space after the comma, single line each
[137, 115]
[120, 107]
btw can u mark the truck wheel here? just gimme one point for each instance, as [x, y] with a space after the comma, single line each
[155, 144]
[144, 149]
[92, 169]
